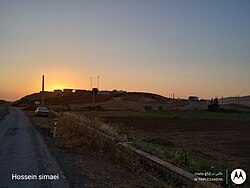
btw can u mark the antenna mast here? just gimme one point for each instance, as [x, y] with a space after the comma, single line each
[98, 82]
[90, 83]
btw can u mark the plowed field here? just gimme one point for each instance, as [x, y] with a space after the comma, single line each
[222, 140]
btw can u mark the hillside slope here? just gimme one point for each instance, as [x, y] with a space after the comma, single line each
[244, 100]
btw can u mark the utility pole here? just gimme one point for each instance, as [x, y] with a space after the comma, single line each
[90, 83]
[42, 90]
[98, 82]
[93, 98]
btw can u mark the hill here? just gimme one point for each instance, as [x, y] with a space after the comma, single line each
[4, 102]
[139, 100]
[244, 100]
[52, 98]
[112, 101]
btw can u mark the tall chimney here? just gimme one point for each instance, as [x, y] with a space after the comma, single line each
[43, 90]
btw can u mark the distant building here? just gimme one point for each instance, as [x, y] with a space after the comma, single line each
[67, 90]
[118, 92]
[104, 92]
[58, 91]
[121, 91]
[37, 102]
[80, 91]
[193, 99]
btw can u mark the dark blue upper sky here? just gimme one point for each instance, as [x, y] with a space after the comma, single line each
[187, 47]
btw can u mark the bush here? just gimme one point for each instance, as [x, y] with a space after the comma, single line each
[214, 106]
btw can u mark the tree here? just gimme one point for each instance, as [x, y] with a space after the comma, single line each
[95, 91]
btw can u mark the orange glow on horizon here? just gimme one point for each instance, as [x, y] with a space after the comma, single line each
[62, 79]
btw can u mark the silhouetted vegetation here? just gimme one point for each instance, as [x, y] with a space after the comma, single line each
[214, 106]
[229, 110]
[96, 108]
[95, 91]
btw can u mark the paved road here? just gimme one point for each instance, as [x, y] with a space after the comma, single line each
[23, 152]
[3, 111]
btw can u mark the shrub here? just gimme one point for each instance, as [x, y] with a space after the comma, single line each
[214, 106]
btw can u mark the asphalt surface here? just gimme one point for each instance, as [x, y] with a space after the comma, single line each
[24, 152]
[3, 111]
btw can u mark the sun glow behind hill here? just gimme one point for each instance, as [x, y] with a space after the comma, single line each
[62, 79]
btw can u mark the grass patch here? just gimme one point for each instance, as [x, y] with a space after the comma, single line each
[94, 121]
[180, 157]
[176, 114]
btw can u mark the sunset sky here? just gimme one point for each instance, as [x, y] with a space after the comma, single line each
[162, 46]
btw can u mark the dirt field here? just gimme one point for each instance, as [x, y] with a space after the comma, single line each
[74, 99]
[221, 140]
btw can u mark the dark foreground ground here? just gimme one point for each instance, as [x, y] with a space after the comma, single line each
[83, 167]
[25, 149]
[25, 160]
[3, 111]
